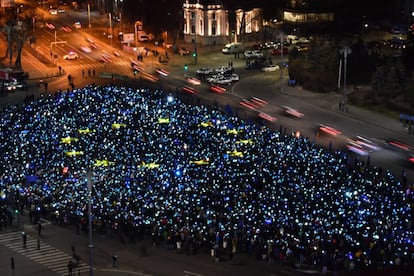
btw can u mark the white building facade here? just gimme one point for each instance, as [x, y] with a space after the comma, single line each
[205, 23]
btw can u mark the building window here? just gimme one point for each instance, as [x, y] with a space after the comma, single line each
[193, 29]
[192, 15]
[214, 29]
[213, 16]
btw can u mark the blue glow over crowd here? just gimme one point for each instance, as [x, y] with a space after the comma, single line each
[193, 172]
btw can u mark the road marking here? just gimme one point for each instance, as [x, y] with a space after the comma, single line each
[47, 255]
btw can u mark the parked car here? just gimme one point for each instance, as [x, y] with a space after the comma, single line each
[277, 51]
[223, 69]
[270, 68]
[204, 71]
[253, 54]
[183, 51]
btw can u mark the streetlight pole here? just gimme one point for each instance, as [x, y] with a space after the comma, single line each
[110, 26]
[345, 51]
[89, 176]
[89, 15]
[281, 57]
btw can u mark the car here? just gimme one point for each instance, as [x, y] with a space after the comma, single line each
[396, 144]
[193, 81]
[70, 56]
[292, 112]
[204, 71]
[217, 89]
[356, 148]
[50, 26]
[277, 51]
[86, 49]
[253, 54]
[266, 117]
[257, 54]
[223, 69]
[60, 10]
[248, 54]
[77, 25]
[329, 130]
[183, 51]
[367, 143]
[105, 57]
[270, 68]
[66, 29]
[223, 80]
[234, 77]
[162, 72]
[189, 90]
[53, 11]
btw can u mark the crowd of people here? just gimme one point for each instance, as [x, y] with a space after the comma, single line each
[196, 177]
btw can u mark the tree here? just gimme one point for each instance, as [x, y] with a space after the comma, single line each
[317, 69]
[17, 33]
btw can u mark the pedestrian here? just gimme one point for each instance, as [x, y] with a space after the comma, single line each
[38, 244]
[89, 72]
[83, 73]
[70, 268]
[39, 228]
[24, 238]
[114, 259]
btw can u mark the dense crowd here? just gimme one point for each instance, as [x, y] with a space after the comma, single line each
[199, 178]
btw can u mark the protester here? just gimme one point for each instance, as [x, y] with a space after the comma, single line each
[201, 178]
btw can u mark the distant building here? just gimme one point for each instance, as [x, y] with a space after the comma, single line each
[308, 11]
[7, 3]
[207, 22]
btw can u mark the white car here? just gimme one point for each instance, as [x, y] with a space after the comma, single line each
[234, 77]
[292, 112]
[204, 71]
[77, 25]
[248, 54]
[270, 68]
[71, 55]
[222, 69]
[223, 80]
[86, 49]
[257, 54]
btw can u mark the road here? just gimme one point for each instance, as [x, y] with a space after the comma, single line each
[317, 109]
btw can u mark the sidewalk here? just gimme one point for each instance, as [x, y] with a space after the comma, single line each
[141, 258]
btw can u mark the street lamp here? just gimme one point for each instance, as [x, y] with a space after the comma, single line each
[90, 246]
[345, 51]
[110, 26]
[89, 15]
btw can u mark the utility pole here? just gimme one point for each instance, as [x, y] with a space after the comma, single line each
[281, 64]
[345, 51]
[89, 176]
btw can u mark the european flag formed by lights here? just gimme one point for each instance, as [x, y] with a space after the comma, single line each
[200, 162]
[85, 131]
[235, 153]
[68, 140]
[151, 165]
[245, 142]
[163, 120]
[102, 163]
[206, 124]
[73, 153]
[117, 126]
[232, 131]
